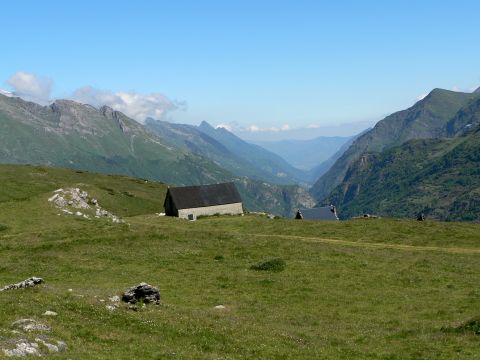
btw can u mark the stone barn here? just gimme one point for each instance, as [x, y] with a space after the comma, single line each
[320, 213]
[188, 202]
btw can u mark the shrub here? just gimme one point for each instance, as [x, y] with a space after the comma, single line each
[3, 227]
[218, 257]
[472, 325]
[274, 265]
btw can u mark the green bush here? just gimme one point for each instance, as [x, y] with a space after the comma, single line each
[3, 227]
[472, 325]
[274, 265]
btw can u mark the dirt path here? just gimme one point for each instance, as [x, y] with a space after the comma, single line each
[452, 250]
[361, 244]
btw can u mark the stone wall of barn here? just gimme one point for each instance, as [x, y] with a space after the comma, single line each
[231, 209]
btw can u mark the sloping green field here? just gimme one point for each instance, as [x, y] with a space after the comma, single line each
[364, 289]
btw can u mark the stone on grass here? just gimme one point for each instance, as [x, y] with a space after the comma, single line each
[23, 348]
[29, 325]
[30, 282]
[114, 298]
[50, 313]
[25, 343]
[132, 307]
[220, 307]
[59, 347]
[142, 292]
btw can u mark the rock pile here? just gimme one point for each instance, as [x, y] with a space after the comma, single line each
[142, 292]
[29, 339]
[30, 282]
[71, 200]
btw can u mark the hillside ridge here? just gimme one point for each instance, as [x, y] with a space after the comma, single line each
[427, 118]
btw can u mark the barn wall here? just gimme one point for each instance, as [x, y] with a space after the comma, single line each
[231, 209]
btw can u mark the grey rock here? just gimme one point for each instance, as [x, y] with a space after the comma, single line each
[23, 348]
[114, 298]
[50, 313]
[132, 307]
[30, 325]
[142, 292]
[30, 282]
[60, 346]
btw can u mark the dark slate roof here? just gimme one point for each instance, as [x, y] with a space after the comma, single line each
[188, 197]
[320, 213]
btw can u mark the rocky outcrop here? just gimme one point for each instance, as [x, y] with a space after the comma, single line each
[28, 338]
[71, 200]
[30, 282]
[30, 325]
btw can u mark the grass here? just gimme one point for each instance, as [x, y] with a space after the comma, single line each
[383, 289]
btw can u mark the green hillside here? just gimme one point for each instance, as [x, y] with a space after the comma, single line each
[386, 289]
[427, 119]
[466, 118]
[78, 136]
[440, 178]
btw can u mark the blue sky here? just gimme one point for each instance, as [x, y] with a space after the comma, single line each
[251, 64]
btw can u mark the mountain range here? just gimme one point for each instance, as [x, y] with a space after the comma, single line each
[227, 151]
[74, 135]
[423, 159]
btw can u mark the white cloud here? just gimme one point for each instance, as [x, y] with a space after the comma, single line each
[253, 128]
[256, 128]
[135, 105]
[313, 126]
[235, 127]
[31, 87]
[228, 127]
[139, 106]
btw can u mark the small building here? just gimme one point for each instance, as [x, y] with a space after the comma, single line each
[189, 202]
[320, 213]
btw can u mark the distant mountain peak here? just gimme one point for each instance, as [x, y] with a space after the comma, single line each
[66, 102]
[477, 91]
[109, 113]
[439, 91]
[206, 125]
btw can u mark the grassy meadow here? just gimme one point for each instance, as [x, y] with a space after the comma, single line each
[360, 289]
